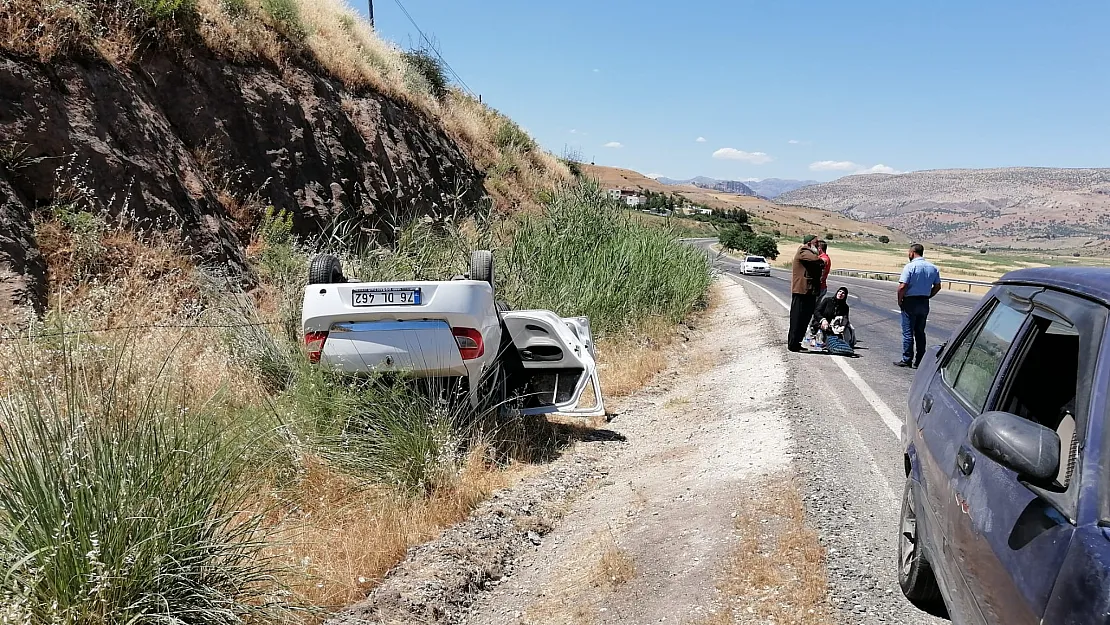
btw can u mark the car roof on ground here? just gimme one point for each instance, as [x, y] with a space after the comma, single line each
[1091, 282]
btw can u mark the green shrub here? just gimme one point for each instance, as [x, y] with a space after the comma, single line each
[510, 135]
[286, 17]
[884, 239]
[119, 505]
[162, 10]
[586, 256]
[428, 66]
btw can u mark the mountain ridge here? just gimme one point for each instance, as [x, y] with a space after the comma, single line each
[1023, 207]
[767, 188]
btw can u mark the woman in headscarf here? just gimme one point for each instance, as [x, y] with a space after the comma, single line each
[831, 316]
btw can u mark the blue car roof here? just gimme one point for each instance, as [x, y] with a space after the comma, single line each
[1090, 282]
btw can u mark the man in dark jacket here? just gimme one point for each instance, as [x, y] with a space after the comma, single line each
[805, 283]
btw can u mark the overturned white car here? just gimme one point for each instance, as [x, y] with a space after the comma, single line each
[530, 360]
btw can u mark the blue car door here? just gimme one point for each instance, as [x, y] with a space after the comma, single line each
[943, 424]
[1010, 539]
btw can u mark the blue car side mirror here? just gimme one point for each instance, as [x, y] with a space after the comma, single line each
[1030, 449]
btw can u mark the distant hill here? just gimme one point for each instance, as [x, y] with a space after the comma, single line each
[773, 187]
[1024, 207]
[726, 186]
[767, 216]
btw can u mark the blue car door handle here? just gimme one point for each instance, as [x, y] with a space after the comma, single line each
[965, 462]
[927, 402]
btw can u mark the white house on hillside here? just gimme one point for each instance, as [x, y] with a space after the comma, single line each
[630, 197]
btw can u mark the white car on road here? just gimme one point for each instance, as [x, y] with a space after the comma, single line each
[454, 330]
[755, 266]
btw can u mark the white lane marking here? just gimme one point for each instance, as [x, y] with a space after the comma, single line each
[895, 310]
[887, 415]
[761, 288]
[853, 296]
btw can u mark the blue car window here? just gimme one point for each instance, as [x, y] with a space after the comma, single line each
[975, 362]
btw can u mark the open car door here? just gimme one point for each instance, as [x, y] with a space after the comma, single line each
[556, 355]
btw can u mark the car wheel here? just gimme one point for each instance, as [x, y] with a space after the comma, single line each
[325, 269]
[915, 575]
[481, 266]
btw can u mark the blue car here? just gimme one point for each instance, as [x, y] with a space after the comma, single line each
[1006, 511]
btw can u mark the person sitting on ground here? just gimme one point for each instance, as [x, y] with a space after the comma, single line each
[831, 317]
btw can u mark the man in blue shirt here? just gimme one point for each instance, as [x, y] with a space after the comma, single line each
[920, 281]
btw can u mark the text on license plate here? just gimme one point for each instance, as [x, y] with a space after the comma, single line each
[386, 297]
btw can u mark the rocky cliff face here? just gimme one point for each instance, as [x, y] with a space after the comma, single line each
[164, 142]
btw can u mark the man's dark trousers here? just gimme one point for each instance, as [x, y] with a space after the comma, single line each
[915, 312]
[801, 312]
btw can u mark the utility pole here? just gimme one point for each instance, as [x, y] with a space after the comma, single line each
[370, 11]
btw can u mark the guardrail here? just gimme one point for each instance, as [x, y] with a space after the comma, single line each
[892, 276]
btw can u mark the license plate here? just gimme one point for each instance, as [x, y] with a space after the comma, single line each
[386, 297]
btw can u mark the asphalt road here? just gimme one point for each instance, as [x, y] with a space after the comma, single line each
[877, 320]
[847, 415]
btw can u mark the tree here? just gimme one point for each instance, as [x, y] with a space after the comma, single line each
[765, 246]
[741, 238]
[884, 239]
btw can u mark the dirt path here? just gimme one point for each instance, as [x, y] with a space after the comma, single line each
[650, 543]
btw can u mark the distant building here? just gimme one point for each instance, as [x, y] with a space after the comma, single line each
[695, 210]
[628, 196]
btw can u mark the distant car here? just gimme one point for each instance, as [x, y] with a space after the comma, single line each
[453, 330]
[755, 266]
[1006, 508]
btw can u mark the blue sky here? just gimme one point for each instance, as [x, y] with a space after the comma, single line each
[785, 89]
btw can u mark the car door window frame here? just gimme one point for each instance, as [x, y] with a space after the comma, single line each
[1089, 319]
[1020, 300]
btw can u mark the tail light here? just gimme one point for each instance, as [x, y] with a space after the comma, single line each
[470, 343]
[314, 345]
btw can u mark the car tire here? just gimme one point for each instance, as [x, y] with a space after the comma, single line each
[481, 266]
[915, 574]
[325, 269]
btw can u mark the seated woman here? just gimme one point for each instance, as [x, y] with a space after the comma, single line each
[831, 317]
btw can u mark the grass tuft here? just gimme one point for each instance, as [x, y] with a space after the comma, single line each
[125, 499]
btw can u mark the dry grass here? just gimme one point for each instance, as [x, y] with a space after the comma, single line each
[340, 537]
[614, 567]
[628, 363]
[776, 572]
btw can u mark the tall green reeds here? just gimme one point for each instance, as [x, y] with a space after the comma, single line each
[123, 498]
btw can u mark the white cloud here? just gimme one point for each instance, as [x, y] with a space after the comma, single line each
[700, 139]
[880, 169]
[614, 144]
[597, 71]
[573, 131]
[732, 154]
[853, 168]
[835, 166]
[793, 142]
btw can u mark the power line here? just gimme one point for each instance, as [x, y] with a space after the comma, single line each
[433, 48]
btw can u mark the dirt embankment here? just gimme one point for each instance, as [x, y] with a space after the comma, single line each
[185, 141]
